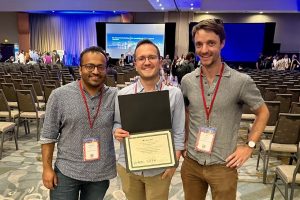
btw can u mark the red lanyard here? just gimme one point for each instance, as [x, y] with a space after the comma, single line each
[135, 88]
[208, 110]
[91, 123]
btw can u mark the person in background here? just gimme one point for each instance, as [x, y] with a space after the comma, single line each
[121, 62]
[79, 118]
[47, 58]
[153, 183]
[294, 63]
[214, 95]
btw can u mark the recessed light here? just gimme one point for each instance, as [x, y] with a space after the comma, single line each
[192, 4]
[160, 5]
[162, 8]
[206, 12]
[157, 0]
[114, 11]
[192, 8]
[261, 12]
[53, 11]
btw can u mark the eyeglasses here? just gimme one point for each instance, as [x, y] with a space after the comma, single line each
[142, 59]
[91, 67]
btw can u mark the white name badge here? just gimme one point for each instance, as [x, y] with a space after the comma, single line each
[91, 149]
[205, 139]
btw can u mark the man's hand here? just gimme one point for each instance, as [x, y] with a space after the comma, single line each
[239, 157]
[49, 178]
[168, 173]
[120, 134]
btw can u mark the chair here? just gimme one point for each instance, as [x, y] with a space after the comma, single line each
[285, 139]
[110, 81]
[248, 114]
[5, 111]
[289, 176]
[17, 83]
[39, 105]
[274, 109]
[295, 108]
[285, 102]
[38, 88]
[295, 93]
[270, 94]
[10, 94]
[48, 88]
[28, 109]
[6, 127]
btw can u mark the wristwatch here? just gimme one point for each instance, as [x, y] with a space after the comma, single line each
[251, 144]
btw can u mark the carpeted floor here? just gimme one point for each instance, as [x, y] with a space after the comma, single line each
[20, 175]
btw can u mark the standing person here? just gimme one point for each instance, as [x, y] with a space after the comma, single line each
[214, 94]
[149, 184]
[79, 118]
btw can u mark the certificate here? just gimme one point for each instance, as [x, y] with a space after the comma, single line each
[149, 151]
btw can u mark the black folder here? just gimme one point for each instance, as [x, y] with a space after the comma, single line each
[144, 112]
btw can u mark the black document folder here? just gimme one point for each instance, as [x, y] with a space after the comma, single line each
[145, 112]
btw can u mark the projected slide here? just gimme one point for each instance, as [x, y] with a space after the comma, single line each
[123, 38]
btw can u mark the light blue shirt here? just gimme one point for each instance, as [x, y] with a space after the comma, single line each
[177, 119]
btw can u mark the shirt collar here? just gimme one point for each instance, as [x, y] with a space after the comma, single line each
[158, 85]
[226, 72]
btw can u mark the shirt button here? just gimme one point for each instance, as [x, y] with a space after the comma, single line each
[93, 108]
[208, 94]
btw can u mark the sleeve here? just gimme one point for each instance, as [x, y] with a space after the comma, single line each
[117, 117]
[52, 123]
[178, 121]
[251, 95]
[184, 91]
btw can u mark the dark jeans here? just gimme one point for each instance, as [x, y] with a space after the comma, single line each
[69, 188]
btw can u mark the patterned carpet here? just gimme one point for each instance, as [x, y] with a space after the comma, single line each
[20, 175]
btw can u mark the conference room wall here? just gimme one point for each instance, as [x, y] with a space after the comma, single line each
[286, 33]
[8, 27]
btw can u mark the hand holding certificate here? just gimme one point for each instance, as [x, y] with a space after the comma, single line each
[147, 118]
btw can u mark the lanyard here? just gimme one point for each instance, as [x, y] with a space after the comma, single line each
[208, 110]
[135, 88]
[91, 123]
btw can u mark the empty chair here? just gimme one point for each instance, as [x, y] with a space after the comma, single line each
[48, 88]
[248, 114]
[295, 108]
[28, 109]
[289, 176]
[10, 94]
[110, 81]
[285, 102]
[270, 94]
[6, 127]
[295, 92]
[17, 83]
[5, 111]
[274, 109]
[39, 105]
[285, 139]
[38, 88]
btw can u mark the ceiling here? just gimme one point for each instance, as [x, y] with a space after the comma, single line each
[226, 6]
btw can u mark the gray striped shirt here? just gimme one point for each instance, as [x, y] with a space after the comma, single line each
[235, 90]
[66, 122]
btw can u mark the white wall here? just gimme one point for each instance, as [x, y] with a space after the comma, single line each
[8, 27]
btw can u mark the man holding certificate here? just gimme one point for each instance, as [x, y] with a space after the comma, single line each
[214, 95]
[149, 183]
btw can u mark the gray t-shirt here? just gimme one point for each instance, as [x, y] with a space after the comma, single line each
[66, 122]
[235, 90]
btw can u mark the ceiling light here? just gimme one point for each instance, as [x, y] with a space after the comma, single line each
[192, 4]
[157, 0]
[53, 11]
[206, 12]
[162, 8]
[261, 12]
[160, 5]
[192, 8]
[114, 11]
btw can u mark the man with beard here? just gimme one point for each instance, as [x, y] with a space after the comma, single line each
[79, 118]
[214, 96]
